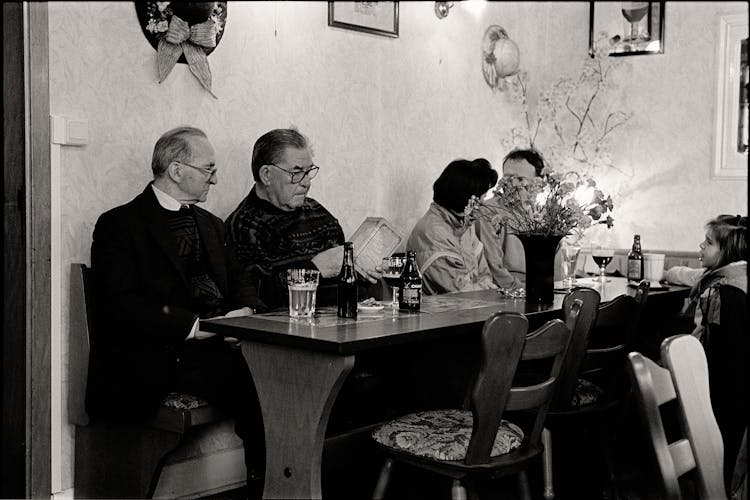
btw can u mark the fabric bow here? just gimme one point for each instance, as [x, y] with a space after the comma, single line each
[189, 40]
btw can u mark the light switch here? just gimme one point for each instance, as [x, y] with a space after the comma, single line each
[68, 131]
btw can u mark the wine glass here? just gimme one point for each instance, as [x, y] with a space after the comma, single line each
[392, 267]
[634, 12]
[602, 251]
[570, 247]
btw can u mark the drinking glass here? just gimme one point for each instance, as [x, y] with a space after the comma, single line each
[602, 251]
[634, 12]
[392, 267]
[303, 287]
[570, 248]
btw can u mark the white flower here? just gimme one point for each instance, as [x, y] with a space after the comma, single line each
[162, 5]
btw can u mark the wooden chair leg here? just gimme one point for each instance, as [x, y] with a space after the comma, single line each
[458, 492]
[549, 490]
[605, 446]
[383, 479]
[524, 492]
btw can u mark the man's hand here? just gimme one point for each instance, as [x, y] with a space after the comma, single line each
[371, 275]
[200, 334]
[237, 313]
[329, 261]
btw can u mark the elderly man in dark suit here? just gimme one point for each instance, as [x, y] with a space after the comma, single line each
[160, 264]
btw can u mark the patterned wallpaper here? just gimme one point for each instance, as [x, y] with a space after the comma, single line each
[384, 115]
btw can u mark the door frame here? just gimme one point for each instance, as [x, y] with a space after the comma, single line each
[32, 144]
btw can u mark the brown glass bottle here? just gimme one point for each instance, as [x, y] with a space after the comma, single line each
[635, 261]
[347, 286]
[410, 286]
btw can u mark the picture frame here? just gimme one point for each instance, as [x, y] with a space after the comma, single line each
[377, 18]
[636, 28]
[730, 125]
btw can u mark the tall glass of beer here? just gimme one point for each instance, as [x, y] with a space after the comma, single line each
[303, 286]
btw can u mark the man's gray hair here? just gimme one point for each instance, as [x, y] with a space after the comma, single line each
[270, 147]
[173, 145]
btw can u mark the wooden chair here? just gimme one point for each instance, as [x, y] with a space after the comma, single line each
[460, 444]
[580, 308]
[191, 440]
[593, 386]
[685, 379]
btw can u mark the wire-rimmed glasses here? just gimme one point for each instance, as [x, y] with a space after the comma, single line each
[297, 175]
[209, 171]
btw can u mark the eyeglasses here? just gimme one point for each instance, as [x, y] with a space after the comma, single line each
[210, 171]
[298, 175]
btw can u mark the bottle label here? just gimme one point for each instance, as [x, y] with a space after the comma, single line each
[412, 294]
[635, 270]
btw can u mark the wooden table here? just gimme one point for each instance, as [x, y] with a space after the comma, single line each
[299, 366]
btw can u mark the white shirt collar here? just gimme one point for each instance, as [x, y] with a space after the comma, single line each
[165, 200]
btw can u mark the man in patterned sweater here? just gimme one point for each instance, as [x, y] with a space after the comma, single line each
[277, 227]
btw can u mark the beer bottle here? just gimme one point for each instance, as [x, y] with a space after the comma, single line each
[635, 261]
[347, 286]
[410, 286]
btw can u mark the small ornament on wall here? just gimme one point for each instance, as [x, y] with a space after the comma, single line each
[500, 57]
[185, 32]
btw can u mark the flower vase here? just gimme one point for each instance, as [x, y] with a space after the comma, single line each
[539, 251]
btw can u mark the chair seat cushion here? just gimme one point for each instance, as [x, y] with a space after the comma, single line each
[182, 401]
[442, 435]
[587, 393]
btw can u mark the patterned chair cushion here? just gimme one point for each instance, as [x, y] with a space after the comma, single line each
[587, 393]
[442, 435]
[182, 401]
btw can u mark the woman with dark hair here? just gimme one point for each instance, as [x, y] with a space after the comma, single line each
[449, 254]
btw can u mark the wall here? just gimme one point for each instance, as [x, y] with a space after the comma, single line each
[384, 115]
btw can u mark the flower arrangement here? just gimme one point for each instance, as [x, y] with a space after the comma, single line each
[554, 204]
[574, 119]
[159, 14]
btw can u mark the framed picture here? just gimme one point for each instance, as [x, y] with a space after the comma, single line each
[378, 18]
[636, 28]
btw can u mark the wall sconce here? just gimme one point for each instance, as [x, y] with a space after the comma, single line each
[442, 9]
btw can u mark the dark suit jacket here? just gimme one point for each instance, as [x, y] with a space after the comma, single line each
[142, 297]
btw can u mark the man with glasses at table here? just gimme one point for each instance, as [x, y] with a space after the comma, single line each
[160, 263]
[278, 227]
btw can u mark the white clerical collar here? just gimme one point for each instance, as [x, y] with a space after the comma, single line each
[166, 201]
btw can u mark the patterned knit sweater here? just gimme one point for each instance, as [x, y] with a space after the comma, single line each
[267, 241]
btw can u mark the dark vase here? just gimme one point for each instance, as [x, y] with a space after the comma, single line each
[540, 266]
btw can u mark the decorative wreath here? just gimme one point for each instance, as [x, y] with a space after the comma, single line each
[185, 32]
[500, 57]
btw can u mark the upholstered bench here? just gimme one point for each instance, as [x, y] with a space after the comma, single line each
[188, 449]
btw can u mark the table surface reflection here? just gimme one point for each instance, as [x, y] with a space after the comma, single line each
[327, 333]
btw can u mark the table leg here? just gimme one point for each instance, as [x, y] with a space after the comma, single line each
[296, 389]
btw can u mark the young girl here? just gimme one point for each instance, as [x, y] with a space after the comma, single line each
[719, 304]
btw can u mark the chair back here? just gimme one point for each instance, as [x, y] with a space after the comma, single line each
[611, 339]
[504, 343]
[79, 342]
[685, 378]
[580, 308]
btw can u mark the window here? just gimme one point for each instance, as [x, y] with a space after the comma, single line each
[731, 129]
